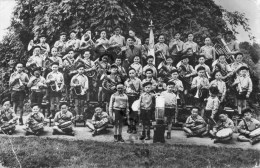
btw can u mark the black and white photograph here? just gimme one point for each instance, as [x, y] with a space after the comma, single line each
[129, 83]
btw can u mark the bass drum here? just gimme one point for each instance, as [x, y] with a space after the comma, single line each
[136, 105]
[8, 126]
[107, 87]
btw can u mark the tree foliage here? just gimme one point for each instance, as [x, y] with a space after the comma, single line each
[31, 17]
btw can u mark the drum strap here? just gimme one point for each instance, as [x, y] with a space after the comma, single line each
[245, 125]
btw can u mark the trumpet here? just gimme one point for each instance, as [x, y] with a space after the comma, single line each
[177, 47]
[20, 82]
[57, 86]
[207, 75]
[197, 93]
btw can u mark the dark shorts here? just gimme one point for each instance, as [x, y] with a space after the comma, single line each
[36, 97]
[119, 114]
[245, 135]
[18, 96]
[169, 112]
[207, 113]
[55, 94]
[241, 96]
[146, 115]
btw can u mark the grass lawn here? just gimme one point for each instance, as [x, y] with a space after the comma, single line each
[38, 152]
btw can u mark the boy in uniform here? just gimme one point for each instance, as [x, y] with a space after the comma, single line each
[178, 86]
[150, 65]
[55, 81]
[224, 122]
[79, 86]
[161, 50]
[8, 118]
[119, 106]
[170, 106]
[18, 81]
[149, 78]
[63, 121]
[35, 121]
[69, 70]
[99, 121]
[176, 47]
[208, 52]
[137, 66]
[202, 63]
[36, 60]
[133, 88]
[37, 84]
[61, 44]
[246, 126]
[195, 125]
[147, 107]
[244, 88]
[199, 87]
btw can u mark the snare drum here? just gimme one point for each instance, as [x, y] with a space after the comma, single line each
[102, 122]
[224, 133]
[8, 126]
[64, 125]
[35, 127]
[255, 133]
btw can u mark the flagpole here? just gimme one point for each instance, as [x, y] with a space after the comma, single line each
[151, 41]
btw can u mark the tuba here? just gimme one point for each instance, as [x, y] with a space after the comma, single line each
[78, 90]
[183, 72]
[54, 85]
[107, 84]
[222, 71]
[48, 62]
[222, 49]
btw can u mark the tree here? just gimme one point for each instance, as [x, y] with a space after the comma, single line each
[201, 17]
[253, 50]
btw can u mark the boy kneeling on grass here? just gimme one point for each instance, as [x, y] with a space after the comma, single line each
[195, 125]
[99, 121]
[63, 121]
[35, 122]
[8, 119]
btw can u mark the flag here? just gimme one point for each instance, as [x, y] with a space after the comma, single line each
[151, 44]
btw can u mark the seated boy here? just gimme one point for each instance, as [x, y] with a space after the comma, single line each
[63, 121]
[246, 126]
[8, 119]
[195, 125]
[99, 121]
[224, 122]
[35, 122]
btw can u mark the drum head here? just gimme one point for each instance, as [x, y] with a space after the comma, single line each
[136, 105]
[224, 133]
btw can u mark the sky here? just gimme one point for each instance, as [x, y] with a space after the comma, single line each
[251, 8]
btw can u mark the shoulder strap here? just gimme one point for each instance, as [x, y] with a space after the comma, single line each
[245, 124]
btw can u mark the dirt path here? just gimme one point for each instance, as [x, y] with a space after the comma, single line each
[178, 137]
